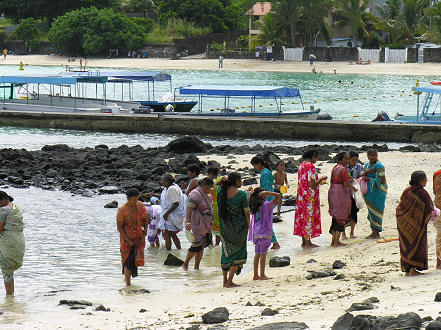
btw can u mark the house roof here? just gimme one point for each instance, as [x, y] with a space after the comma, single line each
[259, 9]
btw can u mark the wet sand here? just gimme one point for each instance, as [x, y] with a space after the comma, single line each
[372, 270]
[428, 69]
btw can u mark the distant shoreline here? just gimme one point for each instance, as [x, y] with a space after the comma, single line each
[239, 65]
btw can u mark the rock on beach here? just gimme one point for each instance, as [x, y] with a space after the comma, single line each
[217, 315]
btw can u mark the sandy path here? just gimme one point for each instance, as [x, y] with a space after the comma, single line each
[429, 69]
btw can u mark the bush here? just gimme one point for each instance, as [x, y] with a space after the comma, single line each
[175, 28]
[216, 47]
[28, 32]
[146, 23]
[93, 31]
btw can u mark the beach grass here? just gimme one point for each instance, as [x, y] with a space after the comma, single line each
[175, 29]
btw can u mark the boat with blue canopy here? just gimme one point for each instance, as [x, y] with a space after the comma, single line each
[428, 105]
[241, 101]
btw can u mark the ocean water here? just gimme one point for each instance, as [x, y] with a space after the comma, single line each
[344, 96]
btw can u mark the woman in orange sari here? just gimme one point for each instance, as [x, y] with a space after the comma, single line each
[437, 222]
[132, 223]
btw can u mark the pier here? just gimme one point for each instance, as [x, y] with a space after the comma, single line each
[312, 130]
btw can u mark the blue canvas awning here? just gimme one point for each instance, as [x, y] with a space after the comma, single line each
[256, 91]
[49, 80]
[435, 89]
[137, 75]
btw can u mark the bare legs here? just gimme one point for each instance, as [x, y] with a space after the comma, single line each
[262, 259]
[168, 237]
[198, 257]
[375, 234]
[306, 243]
[228, 277]
[9, 286]
[336, 239]
[156, 244]
[127, 276]
[438, 263]
[413, 272]
[352, 235]
[218, 240]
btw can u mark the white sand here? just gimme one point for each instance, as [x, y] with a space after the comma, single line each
[429, 69]
[372, 268]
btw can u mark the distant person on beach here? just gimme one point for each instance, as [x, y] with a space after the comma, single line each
[234, 219]
[132, 222]
[339, 198]
[5, 52]
[198, 220]
[266, 182]
[280, 180]
[335, 71]
[81, 64]
[354, 170]
[261, 227]
[314, 70]
[12, 240]
[311, 59]
[437, 222]
[193, 173]
[374, 174]
[213, 174]
[307, 221]
[221, 61]
[154, 213]
[414, 212]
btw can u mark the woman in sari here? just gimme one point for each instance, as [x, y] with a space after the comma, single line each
[413, 214]
[339, 198]
[374, 174]
[199, 219]
[437, 222]
[307, 222]
[132, 223]
[234, 219]
[213, 174]
[12, 240]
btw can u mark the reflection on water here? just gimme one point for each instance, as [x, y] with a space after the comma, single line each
[72, 252]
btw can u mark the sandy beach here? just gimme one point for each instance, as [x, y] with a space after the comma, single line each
[428, 69]
[372, 270]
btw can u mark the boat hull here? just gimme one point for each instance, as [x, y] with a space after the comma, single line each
[312, 115]
[179, 106]
[430, 119]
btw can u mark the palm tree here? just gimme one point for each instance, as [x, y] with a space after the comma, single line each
[270, 31]
[353, 13]
[313, 22]
[390, 10]
[146, 7]
[290, 10]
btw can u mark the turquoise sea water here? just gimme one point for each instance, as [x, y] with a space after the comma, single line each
[356, 95]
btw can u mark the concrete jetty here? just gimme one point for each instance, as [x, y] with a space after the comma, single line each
[258, 128]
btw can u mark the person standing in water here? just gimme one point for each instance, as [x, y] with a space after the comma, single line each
[266, 182]
[374, 174]
[193, 173]
[213, 174]
[12, 240]
[132, 222]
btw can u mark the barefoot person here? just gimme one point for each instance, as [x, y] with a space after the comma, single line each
[132, 222]
[280, 179]
[12, 240]
[234, 219]
[374, 174]
[266, 182]
[307, 222]
[413, 214]
[261, 227]
[354, 169]
[213, 174]
[173, 211]
[193, 174]
[199, 219]
[339, 198]
[154, 214]
[437, 222]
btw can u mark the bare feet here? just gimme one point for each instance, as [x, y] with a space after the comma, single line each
[256, 278]
[343, 236]
[373, 236]
[413, 272]
[184, 267]
[338, 244]
[438, 263]
[264, 278]
[310, 245]
[276, 246]
[196, 267]
[231, 285]
[353, 236]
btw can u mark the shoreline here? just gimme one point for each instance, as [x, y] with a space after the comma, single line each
[231, 65]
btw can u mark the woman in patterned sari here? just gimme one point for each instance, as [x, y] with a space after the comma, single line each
[374, 174]
[413, 214]
[307, 222]
[234, 219]
[12, 240]
[132, 223]
[437, 222]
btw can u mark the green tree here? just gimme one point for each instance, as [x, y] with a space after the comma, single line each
[390, 10]
[271, 31]
[354, 14]
[290, 11]
[18, 9]
[28, 32]
[313, 22]
[218, 15]
[146, 7]
[93, 31]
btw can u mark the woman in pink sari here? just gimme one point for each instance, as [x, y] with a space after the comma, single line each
[339, 198]
[307, 223]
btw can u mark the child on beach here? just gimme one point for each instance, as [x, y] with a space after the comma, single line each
[261, 227]
[154, 213]
[354, 170]
[280, 179]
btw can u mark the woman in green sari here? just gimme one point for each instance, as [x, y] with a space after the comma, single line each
[234, 220]
[12, 241]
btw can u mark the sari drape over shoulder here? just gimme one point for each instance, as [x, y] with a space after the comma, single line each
[413, 215]
[202, 213]
[133, 222]
[234, 231]
[375, 196]
[339, 196]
